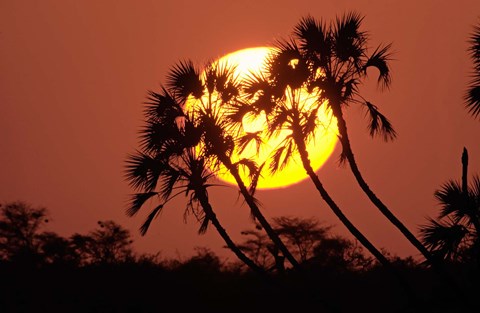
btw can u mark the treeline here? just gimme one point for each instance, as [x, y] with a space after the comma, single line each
[42, 271]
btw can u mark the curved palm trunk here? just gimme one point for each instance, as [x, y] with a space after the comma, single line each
[258, 214]
[351, 228]
[210, 214]
[347, 150]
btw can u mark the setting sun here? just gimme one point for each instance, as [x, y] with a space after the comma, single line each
[251, 60]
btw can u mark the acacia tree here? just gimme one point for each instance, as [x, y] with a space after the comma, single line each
[209, 96]
[21, 234]
[108, 244]
[169, 165]
[310, 241]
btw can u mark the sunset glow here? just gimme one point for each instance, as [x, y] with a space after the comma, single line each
[249, 61]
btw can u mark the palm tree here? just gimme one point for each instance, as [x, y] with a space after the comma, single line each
[208, 97]
[336, 60]
[454, 235]
[284, 94]
[472, 97]
[169, 166]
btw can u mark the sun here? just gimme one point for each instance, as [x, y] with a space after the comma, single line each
[320, 148]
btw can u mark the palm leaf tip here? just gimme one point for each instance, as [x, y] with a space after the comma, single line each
[149, 219]
[349, 39]
[378, 123]
[472, 99]
[137, 201]
[312, 35]
[184, 79]
[380, 60]
[443, 238]
[250, 137]
[204, 226]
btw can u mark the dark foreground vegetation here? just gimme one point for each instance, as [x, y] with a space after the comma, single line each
[99, 272]
[201, 285]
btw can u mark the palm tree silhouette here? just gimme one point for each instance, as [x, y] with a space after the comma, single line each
[208, 98]
[169, 166]
[283, 92]
[335, 60]
[472, 97]
[287, 109]
[454, 235]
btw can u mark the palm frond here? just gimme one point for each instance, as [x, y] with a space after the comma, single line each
[226, 83]
[184, 79]
[255, 177]
[261, 92]
[474, 192]
[143, 171]
[444, 239]
[279, 121]
[474, 48]
[281, 156]
[204, 225]
[170, 177]
[249, 164]
[350, 89]
[452, 199]
[162, 106]
[378, 123]
[310, 124]
[314, 40]
[275, 160]
[156, 134]
[380, 59]
[287, 66]
[149, 219]
[472, 98]
[237, 111]
[247, 138]
[137, 200]
[349, 40]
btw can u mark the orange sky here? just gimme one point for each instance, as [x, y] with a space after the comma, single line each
[74, 74]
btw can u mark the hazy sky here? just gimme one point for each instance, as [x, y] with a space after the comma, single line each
[74, 75]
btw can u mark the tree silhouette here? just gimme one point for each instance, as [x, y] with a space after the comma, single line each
[454, 235]
[472, 96]
[311, 242]
[326, 64]
[110, 243]
[301, 234]
[171, 165]
[281, 92]
[208, 97]
[339, 52]
[21, 235]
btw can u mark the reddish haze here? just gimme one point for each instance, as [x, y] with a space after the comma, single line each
[74, 74]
